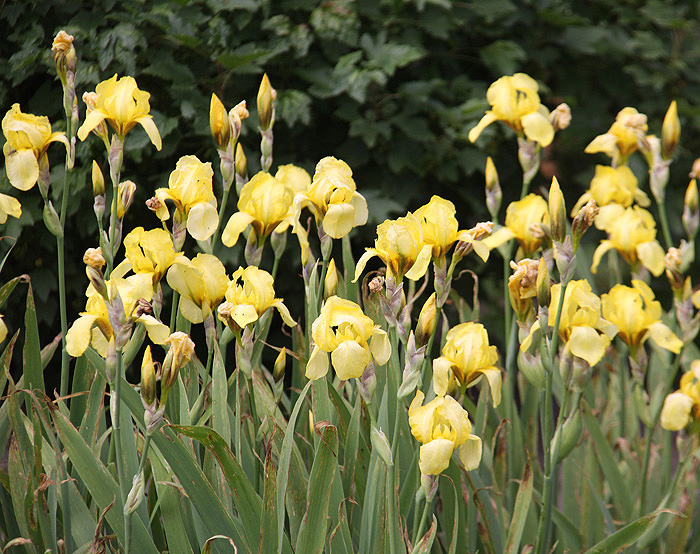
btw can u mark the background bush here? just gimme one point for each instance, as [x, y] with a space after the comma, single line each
[392, 87]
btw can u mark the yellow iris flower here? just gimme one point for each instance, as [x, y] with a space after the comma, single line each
[637, 316]
[150, 251]
[683, 405]
[442, 426]
[582, 329]
[333, 199]
[202, 284]
[612, 185]
[520, 216]
[28, 138]
[351, 338]
[622, 138]
[190, 189]
[122, 105]
[440, 228]
[514, 100]
[94, 326]
[632, 232]
[248, 296]
[265, 203]
[466, 357]
[401, 247]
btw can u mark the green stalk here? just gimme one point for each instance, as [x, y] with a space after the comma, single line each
[645, 470]
[127, 517]
[222, 209]
[116, 426]
[417, 533]
[547, 434]
[391, 505]
[664, 223]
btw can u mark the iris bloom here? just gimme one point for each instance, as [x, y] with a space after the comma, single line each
[248, 296]
[637, 316]
[442, 426]
[202, 284]
[296, 178]
[632, 232]
[582, 330]
[122, 105]
[349, 336]
[622, 138]
[265, 203]
[520, 216]
[514, 100]
[333, 198]
[28, 138]
[683, 405]
[401, 247]
[440, 228]
[94, 327]
[612, 185]
[150, 251]
[466, 357]
[190, 189]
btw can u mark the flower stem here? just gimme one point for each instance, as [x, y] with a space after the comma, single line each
[664, 224]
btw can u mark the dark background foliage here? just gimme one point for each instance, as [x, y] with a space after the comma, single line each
[392, 87]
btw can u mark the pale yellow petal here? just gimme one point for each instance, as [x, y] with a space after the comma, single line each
[652, 255]
[420, 266]
[493, 376]
[442, 374]
[435, 456]
[92, 120]
[22, 168]
[675, 414]
[664, 337]
[538, 128]
[243, 314]
[362, 262]
[349, 360]
[470, 453]
[151, 130]
[339, 220]
[202, 220]
[502, 235]
[603, 247]
[317, 366]
[380, 346]
[235, 226]
[158, 332]
[488, 118]
[79, 335]
[284, 312]
[586, 343]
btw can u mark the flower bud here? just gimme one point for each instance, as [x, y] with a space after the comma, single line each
[93, 258]
[566, 437]
[280, 365]
[544, 294]
[148, 378]
[583, 221]
[236, 116]
[429, 486]
[180, 352]
[670, 131]
[557, 211]
[51, 220]
[381, 445]
[98, 180]
[493, 188]
[135, 496]
[90, 101]
[367, 383]
[695, 170]
[64, 55]
[560, 117]
[266, 100]
[564, 258]
[674, 274]
[690, 210]
[241, 166]
[522, 287]
[330, 285]
[219, 123]
[127, 189]
[427, 321]
[529, 158]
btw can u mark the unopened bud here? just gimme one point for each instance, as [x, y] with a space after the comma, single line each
[98, 180]
[381, 445]
[64, 54]
[566, 437]
[522, 287]
[219, 123]
[135, 496]
[429, 486]
[529, 158]
[93, 258]
[695, 170]
[236, 116]
[560, 117]
[544, 293]
[690, 210]
[266, 99]
[427, 321]
[90, 101]
[564, 258]
[493, 188]
[180, 352]
[557, 211]
[583, 221]
[280, 365]
[148, 378]
[367, 383]
[51, 220]
[127, 189]
[330, 285]
[670, 131]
